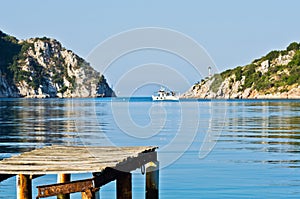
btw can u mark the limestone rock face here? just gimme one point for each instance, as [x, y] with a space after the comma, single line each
[283, 59]
[43, 68]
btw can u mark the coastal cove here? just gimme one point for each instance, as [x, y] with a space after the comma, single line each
[150, 99]
[256, 151]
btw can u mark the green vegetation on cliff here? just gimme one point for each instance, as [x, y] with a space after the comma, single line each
[9, 49]
[275, 75]
[274, 72]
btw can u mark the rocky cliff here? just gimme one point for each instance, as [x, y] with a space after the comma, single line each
[41, 67]
[276, 75]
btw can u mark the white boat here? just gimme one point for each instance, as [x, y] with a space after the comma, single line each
[163, 95]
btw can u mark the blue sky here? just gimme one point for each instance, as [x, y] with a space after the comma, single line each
[233, 32]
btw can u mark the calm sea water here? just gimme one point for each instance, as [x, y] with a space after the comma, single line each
[208, 149]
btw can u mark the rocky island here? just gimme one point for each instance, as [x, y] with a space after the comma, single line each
[274, 76]
[41, 68]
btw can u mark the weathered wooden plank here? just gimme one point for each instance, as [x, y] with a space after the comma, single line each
[88, 148]
[61, 159]
[74, 157]
[59, 165]
[65, 188]
[74, 150]
[51, 163]
[36, 160]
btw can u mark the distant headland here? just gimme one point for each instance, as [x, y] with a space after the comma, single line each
[274, 76]
[42, 68]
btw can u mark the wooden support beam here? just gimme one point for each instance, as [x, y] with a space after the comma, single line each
[24, 187]
[65, 188]
[61, 178]
[135, 163]
[104, 177]
[124, 185]
[152, 180]
[110, 174]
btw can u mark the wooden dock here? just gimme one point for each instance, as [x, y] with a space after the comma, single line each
[105, 163]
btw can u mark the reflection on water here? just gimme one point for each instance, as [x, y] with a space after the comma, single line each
[271, 128]
[27, 124]
[256, 155]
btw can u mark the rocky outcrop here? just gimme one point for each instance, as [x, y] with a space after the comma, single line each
[274, 76]
[42, 68]
[7, 89]
[227, 91]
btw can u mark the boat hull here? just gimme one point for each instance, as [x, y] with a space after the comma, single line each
[165, 98]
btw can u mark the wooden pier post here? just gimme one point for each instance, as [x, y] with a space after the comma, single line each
[152, 180]
[61, 178]
[24, 187]
[124, 186]
[90, 194]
